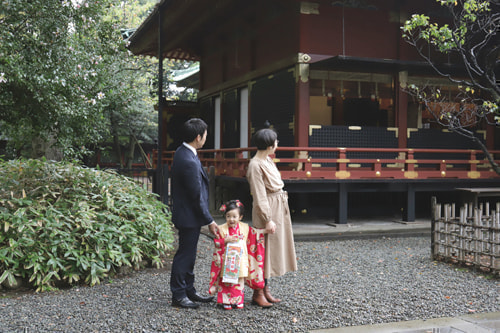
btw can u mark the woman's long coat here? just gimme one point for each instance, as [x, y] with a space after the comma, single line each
[270, 203]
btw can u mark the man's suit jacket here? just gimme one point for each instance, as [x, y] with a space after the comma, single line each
[189, 190]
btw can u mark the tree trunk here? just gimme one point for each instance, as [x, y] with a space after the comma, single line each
[118, 150]
[131, 151]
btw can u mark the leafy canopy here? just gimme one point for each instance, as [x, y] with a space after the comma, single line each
[51, 56]
[65, 73]
[471, 39]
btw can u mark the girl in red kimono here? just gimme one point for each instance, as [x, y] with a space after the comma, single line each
[250, 270]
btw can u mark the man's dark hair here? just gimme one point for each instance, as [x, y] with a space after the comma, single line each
[192, 128]
[264, 138]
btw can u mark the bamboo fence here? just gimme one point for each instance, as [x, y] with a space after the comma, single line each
[470, 239]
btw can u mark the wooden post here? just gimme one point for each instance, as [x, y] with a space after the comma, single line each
[211, 189]
[342, 207]
[433, 223]
[302, 108]
[495, 239]
[402, 109]
[410, 203]
[160, 108]
[166, 184]
[461, 244]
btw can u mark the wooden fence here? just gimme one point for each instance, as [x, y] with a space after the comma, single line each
[470, 239]
[143, 176]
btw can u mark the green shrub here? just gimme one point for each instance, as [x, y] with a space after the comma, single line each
[63, 222]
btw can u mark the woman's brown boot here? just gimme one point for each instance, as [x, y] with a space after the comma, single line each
[259, 299]
[269, 297]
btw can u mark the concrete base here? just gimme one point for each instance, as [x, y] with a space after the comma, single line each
[473, 323]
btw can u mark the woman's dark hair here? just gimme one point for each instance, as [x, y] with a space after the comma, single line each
[264, 138]
[192, 128]
[233, 204]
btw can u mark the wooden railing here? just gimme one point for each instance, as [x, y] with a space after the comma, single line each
[346, 163]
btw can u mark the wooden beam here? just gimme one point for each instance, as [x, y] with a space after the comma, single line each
[243, 80]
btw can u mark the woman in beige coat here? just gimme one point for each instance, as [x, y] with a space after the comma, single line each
[271, 212]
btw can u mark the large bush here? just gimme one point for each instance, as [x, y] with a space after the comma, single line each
[63, 222]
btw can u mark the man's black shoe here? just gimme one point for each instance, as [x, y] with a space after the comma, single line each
[184, 303]
[198, 298]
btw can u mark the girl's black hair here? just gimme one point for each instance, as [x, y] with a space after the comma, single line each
[233, 204]
[264, 138]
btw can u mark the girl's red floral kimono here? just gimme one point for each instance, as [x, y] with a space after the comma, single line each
[251, 268]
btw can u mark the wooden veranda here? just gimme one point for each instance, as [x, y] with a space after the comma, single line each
[347, 170]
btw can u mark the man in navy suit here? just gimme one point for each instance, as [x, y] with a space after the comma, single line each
[189, 213]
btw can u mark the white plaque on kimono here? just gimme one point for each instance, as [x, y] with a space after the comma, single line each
[232, 262]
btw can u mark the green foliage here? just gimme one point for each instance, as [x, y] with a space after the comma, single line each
[60, 221]
[65, 73]
[470, 37]
[130, 113]
[50, 57]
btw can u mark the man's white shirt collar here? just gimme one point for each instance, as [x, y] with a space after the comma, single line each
[191, 148]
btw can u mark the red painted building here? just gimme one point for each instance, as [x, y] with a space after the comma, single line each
[326, 74]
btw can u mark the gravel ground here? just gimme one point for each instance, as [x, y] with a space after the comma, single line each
[339, 283]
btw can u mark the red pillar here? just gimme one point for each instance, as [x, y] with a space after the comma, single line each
[302, 106]
[401, 110]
